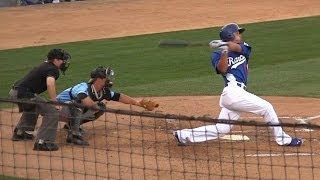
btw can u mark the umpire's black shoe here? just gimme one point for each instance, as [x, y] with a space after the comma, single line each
[19, 135]
[42, 145]
[77, 140]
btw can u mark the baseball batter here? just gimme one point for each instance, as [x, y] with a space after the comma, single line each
[231, 61]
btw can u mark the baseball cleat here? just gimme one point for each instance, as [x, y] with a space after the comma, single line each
[295, 142]
[19, 135]
[77, 140]
[41, 145]
[176, 137]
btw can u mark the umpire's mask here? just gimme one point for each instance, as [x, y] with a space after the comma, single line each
[60, 54]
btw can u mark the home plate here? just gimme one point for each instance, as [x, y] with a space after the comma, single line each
[235, 137]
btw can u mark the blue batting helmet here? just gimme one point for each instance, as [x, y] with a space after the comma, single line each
[226, 32]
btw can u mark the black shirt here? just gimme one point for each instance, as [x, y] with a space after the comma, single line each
[36, 79]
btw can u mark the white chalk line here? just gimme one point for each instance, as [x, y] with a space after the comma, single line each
[305, 120]
[280, 154]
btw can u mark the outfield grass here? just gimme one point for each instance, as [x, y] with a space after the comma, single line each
[284, 61]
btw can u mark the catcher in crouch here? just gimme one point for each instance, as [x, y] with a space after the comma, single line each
[90, 95]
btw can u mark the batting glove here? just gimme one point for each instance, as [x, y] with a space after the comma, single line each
[217, 43]
[224, 49]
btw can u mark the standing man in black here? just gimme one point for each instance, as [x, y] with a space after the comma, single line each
[40, 79]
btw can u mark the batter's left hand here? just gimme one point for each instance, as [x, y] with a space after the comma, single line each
[217, 43]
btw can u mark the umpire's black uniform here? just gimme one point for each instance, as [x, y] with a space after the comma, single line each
[28, 89]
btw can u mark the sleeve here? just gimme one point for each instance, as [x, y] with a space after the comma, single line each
[64, 96]
[246, 49]
[215, 59]
[115, 97]
[53, 72]
[81, 96]
[110, 95]
[80, 91]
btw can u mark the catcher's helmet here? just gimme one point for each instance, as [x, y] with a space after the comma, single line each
[102, 72]
[226, 32]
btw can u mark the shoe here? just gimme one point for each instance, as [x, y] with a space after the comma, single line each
[176, 137]
[55, 1]
[42, 145]
[295, 142]
[77, 140]
[19, 135]
[67, 127]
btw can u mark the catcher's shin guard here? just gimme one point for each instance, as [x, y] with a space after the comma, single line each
[76, 138]
[74, 134]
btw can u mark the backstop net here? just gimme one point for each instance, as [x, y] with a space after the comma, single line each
[128, 144]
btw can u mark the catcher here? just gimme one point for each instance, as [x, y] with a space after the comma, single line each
[91, 95]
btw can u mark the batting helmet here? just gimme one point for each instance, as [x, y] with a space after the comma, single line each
[226, 32]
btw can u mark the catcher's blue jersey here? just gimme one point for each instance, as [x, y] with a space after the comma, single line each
[237, 64]
[65, 95]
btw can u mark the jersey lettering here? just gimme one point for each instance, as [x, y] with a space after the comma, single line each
[235, 62]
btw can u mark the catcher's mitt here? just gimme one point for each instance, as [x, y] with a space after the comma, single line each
[149, 105]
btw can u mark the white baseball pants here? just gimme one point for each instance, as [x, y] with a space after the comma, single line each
[233, 101]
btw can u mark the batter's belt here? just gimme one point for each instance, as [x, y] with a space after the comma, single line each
[242, 85]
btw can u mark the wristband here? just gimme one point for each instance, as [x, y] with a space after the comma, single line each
[225, 51]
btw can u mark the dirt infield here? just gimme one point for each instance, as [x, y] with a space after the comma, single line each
[115, 147]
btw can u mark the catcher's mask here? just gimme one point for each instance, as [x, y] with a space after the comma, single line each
[226, 32]
[60, 54]
[102, 72]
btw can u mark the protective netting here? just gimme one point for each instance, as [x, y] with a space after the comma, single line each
[128, 144]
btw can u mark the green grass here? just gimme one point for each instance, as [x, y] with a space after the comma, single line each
[284, 61]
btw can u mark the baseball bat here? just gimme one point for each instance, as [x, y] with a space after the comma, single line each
[180, 43]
